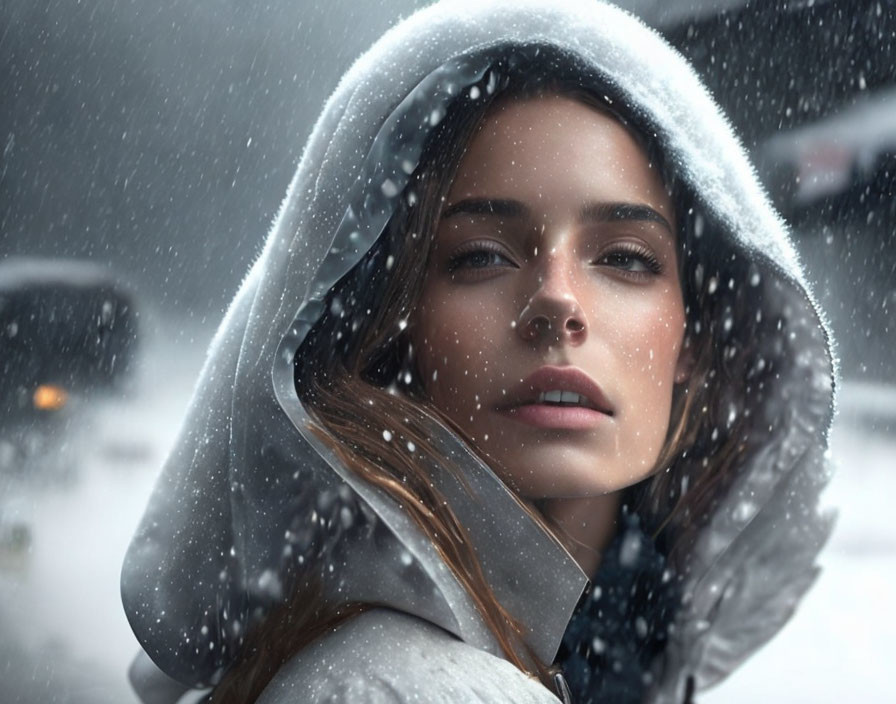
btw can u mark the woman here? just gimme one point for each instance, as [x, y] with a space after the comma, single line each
[525, 320]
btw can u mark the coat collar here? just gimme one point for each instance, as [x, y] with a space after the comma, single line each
[533, 576]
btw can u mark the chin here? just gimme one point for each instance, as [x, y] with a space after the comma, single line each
[564, 475]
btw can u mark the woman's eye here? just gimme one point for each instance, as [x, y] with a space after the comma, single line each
[635, 262]
[478, 259]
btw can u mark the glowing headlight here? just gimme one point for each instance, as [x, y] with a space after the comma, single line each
[49, 398]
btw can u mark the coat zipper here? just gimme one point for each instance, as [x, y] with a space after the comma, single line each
[562, 688]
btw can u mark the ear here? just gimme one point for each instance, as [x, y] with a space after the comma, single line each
[684, 367]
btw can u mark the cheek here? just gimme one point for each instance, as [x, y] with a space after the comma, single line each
[459, 341]
[647, 337]
[647, 343]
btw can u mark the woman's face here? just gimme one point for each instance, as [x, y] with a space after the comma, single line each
[551, 322]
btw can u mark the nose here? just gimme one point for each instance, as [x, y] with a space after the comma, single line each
[553, 312]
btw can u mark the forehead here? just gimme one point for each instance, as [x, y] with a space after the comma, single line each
[552, 145]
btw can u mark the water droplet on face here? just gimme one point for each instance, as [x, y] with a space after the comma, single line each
[387, 436]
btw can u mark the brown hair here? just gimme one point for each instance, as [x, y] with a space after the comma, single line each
[370, 383]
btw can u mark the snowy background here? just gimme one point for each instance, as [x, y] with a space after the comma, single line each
[158, 138]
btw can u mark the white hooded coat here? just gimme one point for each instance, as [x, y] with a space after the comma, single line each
[248, 496]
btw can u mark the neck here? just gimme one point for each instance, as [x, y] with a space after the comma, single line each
[585, 526]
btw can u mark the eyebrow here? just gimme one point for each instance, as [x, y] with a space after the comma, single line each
[487, 206]
[591, 212]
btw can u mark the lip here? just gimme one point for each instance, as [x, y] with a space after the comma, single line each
[524, 406]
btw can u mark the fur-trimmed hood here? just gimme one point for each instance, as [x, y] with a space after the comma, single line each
[249, 497]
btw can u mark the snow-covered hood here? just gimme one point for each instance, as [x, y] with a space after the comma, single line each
[232, 511]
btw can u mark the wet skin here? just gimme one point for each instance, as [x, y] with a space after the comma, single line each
[556, 248]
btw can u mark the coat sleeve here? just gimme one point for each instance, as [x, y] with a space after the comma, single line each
[387, 657]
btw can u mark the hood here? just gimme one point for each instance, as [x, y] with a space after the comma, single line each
[248, 496]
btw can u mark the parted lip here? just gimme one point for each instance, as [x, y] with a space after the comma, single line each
[550, 378]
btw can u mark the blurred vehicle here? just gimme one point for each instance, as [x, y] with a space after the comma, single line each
[68, 331]
[843, 165]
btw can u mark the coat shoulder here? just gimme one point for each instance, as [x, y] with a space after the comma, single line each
[389, 657]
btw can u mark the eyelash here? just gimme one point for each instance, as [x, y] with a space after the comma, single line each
[459, 258]
[639, 253]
